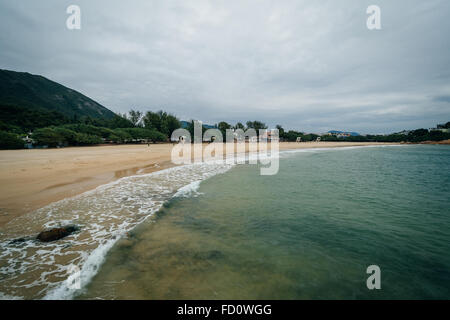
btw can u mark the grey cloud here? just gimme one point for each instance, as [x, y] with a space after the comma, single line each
[442, 99]
[309, 65]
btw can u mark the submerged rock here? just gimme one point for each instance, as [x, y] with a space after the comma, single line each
[56, 233]
[209, 255]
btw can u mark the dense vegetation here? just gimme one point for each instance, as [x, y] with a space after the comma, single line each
[414, 136]
[22, 119]
[52, 129]
[291, 135]
[82, 134]
[52, 115]
[10, 141]
[59, 116]
[119, 129]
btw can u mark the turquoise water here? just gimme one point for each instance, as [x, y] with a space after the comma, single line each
[308, 232]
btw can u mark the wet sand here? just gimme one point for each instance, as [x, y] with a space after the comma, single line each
[30, 179]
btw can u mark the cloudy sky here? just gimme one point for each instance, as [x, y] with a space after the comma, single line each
[308, 65]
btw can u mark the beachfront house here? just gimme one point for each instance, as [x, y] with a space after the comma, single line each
[444, 130]
[268, 136]
[28, 142]
[251, 139]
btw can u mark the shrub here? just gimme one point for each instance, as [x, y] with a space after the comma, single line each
[10, 141]
[47, 136]
[83, 139]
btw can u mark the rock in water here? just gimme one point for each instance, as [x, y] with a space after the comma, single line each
[56, 233]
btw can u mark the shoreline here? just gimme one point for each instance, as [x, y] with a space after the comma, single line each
[31, 179]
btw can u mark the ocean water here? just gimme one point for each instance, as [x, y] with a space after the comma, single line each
[309, 232]
[212, 231]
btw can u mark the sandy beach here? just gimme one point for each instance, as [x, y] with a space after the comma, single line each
[30, 179]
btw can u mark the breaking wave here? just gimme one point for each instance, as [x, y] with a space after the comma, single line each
[39, 270]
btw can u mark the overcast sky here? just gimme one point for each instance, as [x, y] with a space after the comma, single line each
[308, 65]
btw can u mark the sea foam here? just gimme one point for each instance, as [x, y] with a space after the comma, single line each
[39, 270]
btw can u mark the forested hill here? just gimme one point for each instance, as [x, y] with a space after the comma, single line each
[26, 91]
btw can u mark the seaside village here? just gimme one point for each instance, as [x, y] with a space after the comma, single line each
[267, 135]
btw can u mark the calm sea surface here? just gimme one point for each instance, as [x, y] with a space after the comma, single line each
[308, 232]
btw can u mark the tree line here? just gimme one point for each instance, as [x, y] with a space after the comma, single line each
[52, 129]
[413, 136]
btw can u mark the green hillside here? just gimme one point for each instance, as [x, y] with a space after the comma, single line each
[36, 93]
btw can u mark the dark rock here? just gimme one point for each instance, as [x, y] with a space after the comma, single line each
[209, 255]
[56, 233]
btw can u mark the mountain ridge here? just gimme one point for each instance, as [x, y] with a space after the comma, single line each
[23, 89]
